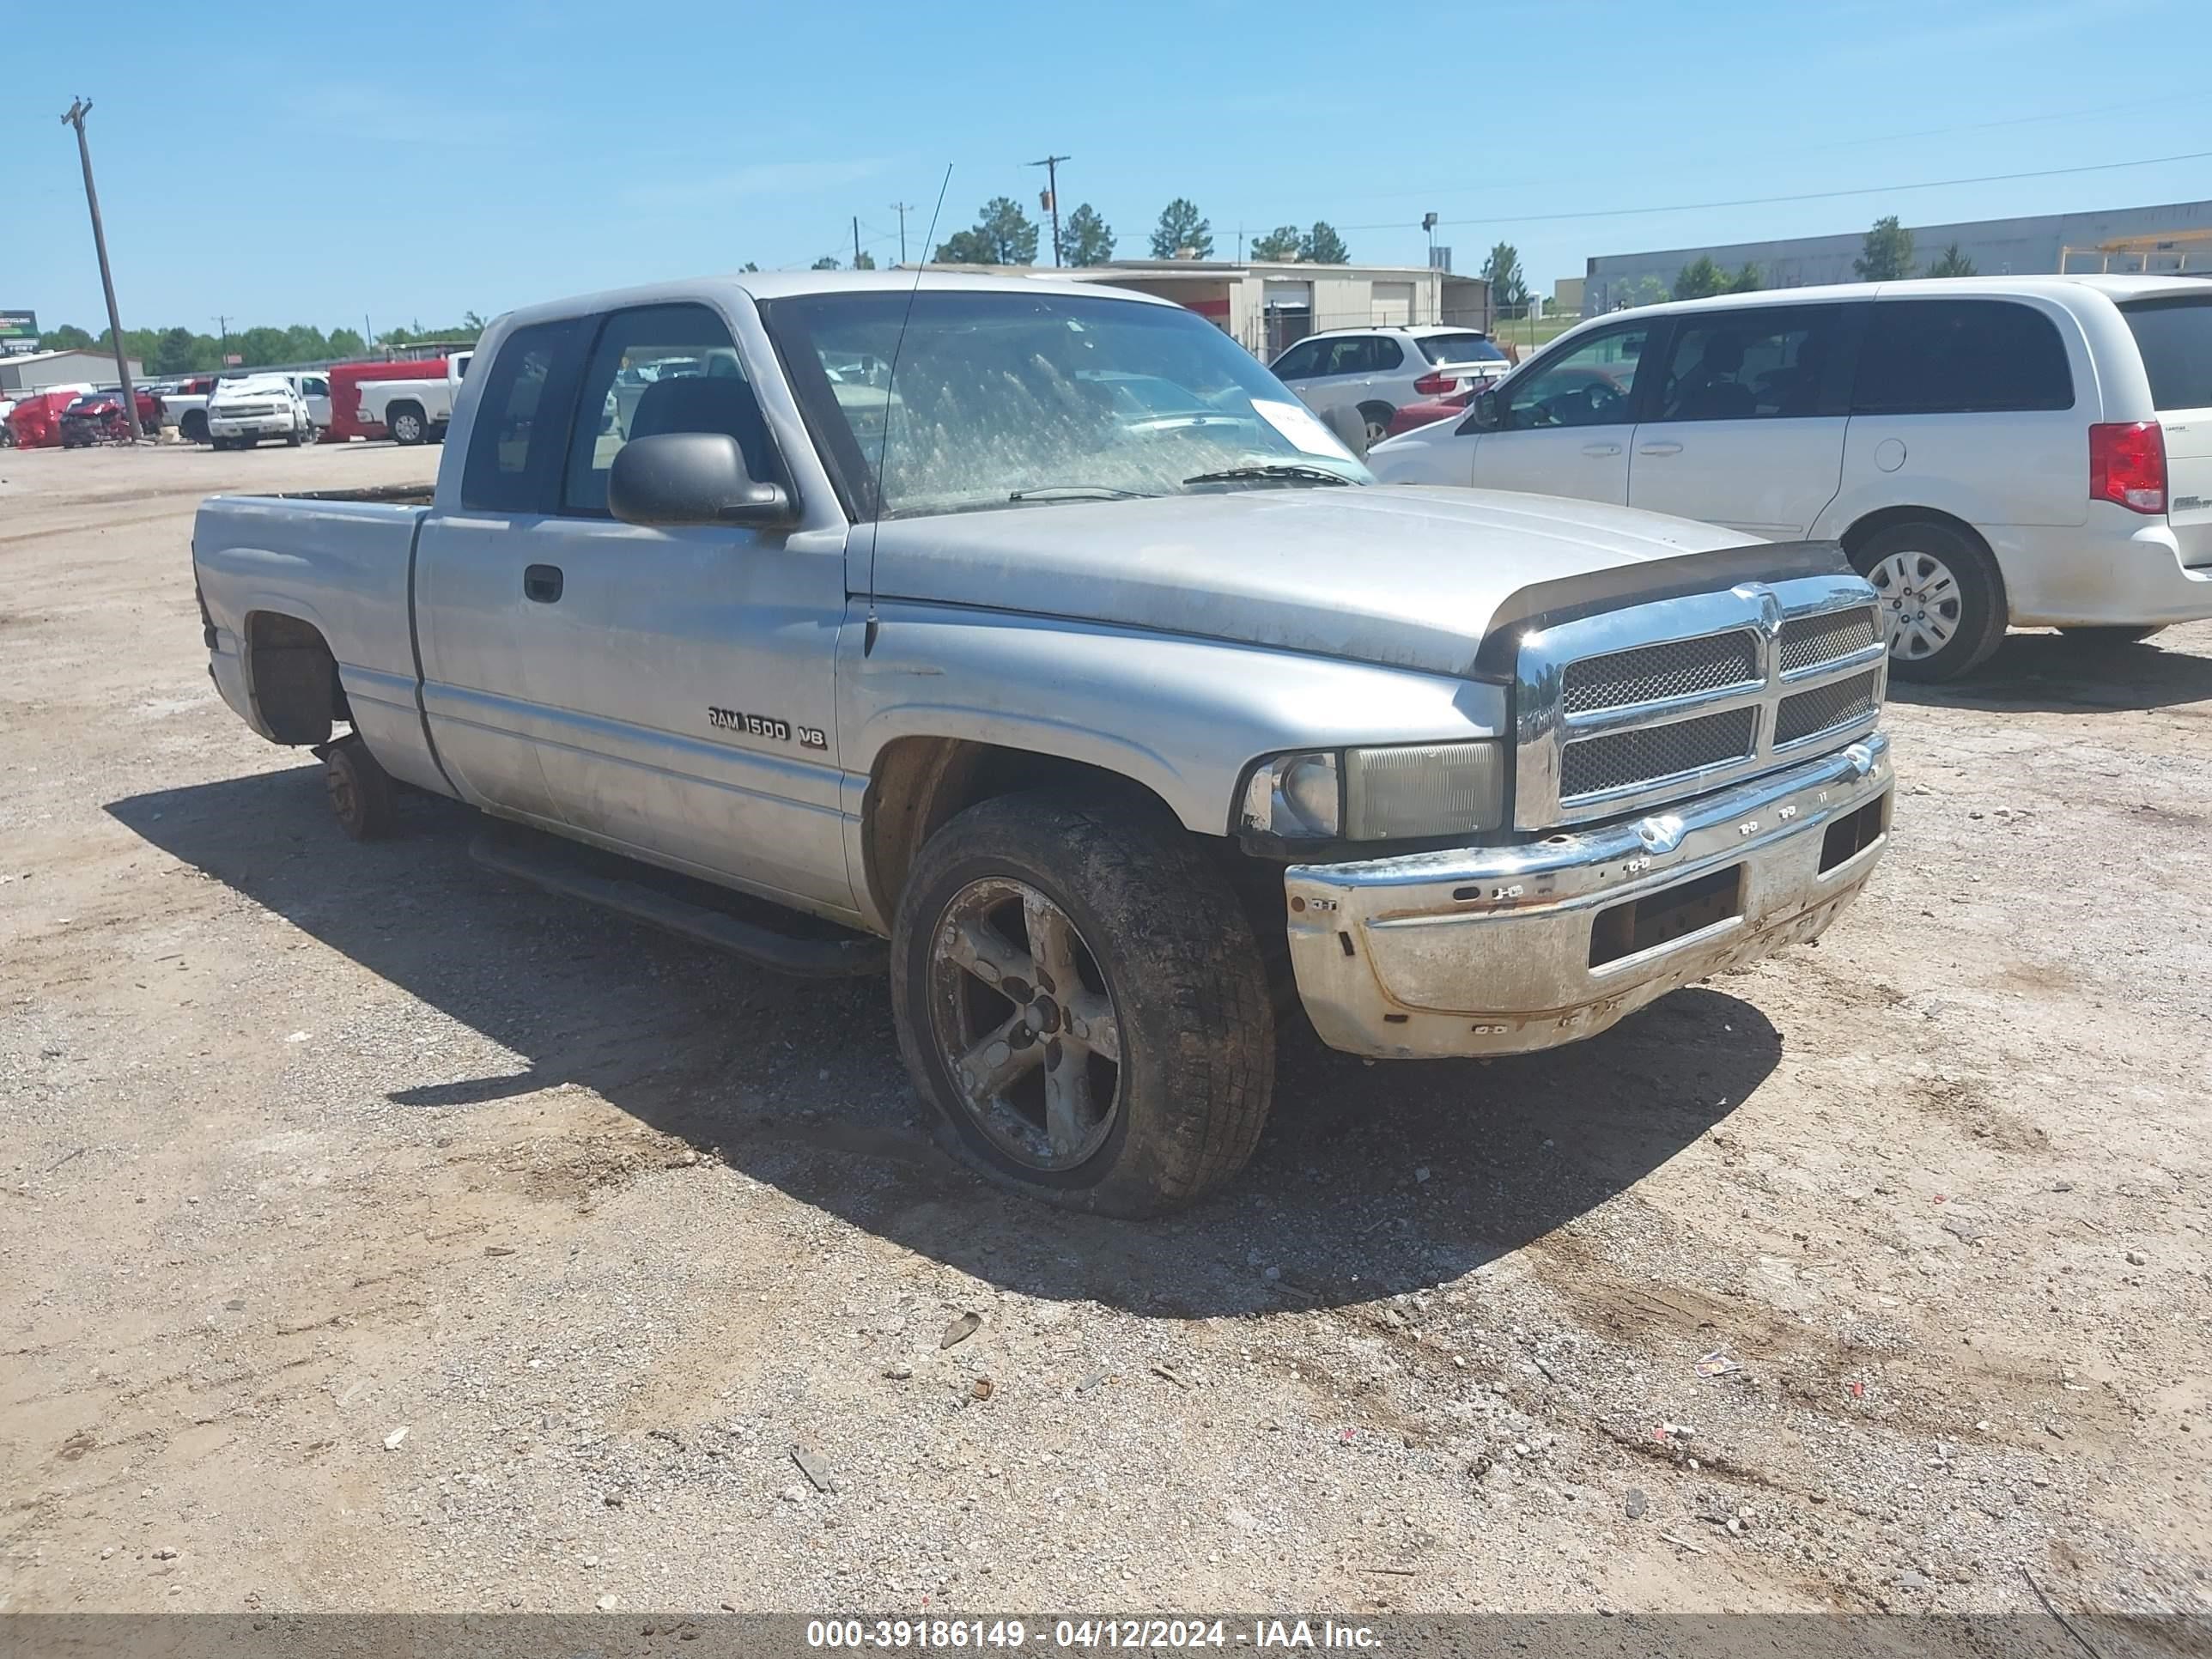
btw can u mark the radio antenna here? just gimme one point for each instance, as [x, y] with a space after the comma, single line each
[890, 386]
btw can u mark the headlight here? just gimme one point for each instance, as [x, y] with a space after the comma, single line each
[1403, 793]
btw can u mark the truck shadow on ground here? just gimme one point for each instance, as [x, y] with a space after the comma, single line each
[1373, 1179]
[2049, 673]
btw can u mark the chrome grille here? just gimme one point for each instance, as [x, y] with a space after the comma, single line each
[1807, 713]
[1810, 640]
[1677, 668]
[1653, 754]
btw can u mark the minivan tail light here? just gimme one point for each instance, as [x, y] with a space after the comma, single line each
[1436, 385]
[2127, 464]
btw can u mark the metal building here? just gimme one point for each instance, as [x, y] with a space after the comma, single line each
[1267, 304]
[29, 371]
[2163, 238]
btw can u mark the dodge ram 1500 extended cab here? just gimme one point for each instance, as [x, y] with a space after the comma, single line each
[1035, 630]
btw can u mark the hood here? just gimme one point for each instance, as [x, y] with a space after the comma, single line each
[241, 392]
[1399, 575]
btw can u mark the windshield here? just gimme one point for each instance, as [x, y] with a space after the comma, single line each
[2175, 338]
[1459, 349]
[1000, 397]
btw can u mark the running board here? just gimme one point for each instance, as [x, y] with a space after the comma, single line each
[845, 955]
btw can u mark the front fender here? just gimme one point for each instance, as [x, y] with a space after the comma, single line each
[1183, 717]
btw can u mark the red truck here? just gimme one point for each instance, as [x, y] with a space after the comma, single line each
[346, 420]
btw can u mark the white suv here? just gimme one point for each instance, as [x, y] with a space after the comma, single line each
[2031, 451]
[1377, 371]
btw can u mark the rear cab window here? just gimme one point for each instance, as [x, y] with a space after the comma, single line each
[1961, 357]
[2175, 338]
[521, 430]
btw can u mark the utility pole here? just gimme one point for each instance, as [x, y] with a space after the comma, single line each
[223, 326]
[1051, 166]
[856, 241]
[902, 209]
[78, 110]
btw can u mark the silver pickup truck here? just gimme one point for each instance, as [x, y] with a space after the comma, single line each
[1035, 630]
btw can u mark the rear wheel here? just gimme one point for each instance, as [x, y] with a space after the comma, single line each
[1081, 1003]
[360, 790]
[405, 423]
[1377, 419]
[2104, 639]
[1941, 597]
[193, 427]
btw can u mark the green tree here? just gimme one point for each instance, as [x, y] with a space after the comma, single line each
[1509, 292]
[1182, 232]
[1645, 290]
[1952, 263]
[1887, 253]
[1086, 238]
[345, 342]
[864, 260]
[68, 337]
[827, 262]
[1699, 278]
[1280, 243]
[1321, 245]
[1002, 235]
[174, 354]
[1747, 281]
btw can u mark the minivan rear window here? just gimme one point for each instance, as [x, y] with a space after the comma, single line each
[1958, 356]
[2175, 338]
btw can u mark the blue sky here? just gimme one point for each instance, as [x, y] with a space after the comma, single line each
[291, 162]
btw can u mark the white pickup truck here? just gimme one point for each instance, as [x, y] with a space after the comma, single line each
[415, 411]
[1110, 726]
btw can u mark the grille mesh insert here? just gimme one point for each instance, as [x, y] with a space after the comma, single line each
[1811, 639]
[1649, 754]
[1804, 712]
[1644, 673]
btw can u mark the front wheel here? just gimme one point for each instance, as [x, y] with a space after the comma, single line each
[360, 790]
[1081, 1002]
[1941, 597]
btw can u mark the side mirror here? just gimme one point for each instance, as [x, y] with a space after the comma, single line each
[692, 477]
[1482, 412]
[1350, 427]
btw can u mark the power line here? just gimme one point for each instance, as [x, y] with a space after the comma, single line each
[1802, 196]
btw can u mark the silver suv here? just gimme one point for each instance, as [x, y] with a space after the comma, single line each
[1377, 371]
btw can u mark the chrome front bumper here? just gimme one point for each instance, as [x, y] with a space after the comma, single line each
[1494, 951]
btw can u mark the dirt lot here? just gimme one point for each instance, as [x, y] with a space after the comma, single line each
[379, 1235]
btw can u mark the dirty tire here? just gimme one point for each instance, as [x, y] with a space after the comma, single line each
[360, 790]
[2106, 639]
[1194, 1071]
[1979, 626]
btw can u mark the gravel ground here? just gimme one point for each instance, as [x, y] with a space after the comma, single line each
[379, 1235]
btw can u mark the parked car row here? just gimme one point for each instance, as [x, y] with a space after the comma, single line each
[1991, 452]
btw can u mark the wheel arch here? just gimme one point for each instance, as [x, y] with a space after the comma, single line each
[292, 678]
[1857, 534]
[919, 783]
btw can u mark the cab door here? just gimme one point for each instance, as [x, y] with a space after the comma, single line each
[1566, 425]
[685, 677]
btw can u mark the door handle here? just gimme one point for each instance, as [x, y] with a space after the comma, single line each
[1659, 449]
[1600, 449]
[542, 582]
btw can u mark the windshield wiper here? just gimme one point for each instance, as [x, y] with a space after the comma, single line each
[1076, 492]
[1290, 470]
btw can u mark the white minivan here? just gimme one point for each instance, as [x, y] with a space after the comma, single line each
[2031, 451]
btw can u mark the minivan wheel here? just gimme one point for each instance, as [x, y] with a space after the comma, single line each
[1940, 596]
[1082, 1004]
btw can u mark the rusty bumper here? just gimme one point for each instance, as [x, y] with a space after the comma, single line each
[1493, 950]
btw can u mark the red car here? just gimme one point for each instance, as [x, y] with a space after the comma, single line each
[97, 418]
[1433, 408]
